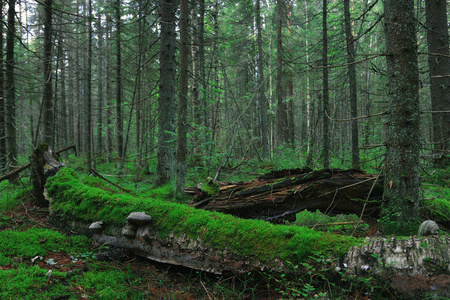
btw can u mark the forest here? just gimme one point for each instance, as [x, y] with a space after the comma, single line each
[164, 98]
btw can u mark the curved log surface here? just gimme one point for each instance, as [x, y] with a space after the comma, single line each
[287, 192]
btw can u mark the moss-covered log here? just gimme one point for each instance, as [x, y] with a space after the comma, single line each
[183, 235]
[286, 192]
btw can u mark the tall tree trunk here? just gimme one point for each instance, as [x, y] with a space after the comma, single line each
[325, 96]
[62, 127]
[439, 63]
[2, 100]
[109, 133]
[166, 109]
[100, 86]
[47, 97]
[281, 106]
[261, 86]
[88, 117]
[119, 121]
[400, 211]
[352, 82]
[182, 104]
[11, 90]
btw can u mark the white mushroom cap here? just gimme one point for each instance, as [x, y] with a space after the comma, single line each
[139, 218]
[96, 226]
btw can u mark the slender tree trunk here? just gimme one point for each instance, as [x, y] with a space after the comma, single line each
[352, 82]
[47, 97]
[182, 104]
[100, 81]
[119, 121]
[166, 110]
[11, 90]
[109, 133]
[281, 106]
[439, 63]
[261, 87]
[400, 211]
[325, 97]
[2, 100]
[62, 128]
[88, 120]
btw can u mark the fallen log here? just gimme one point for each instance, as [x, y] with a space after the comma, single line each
[284, 193]
[218, 243]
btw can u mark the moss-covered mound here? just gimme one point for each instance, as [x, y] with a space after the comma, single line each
[85, 199]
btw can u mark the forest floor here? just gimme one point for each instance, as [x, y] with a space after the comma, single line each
[32, 267]
[128, 277]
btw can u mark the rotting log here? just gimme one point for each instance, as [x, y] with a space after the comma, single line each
[284, 193]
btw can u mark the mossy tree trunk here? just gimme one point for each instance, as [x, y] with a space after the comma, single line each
[400, 211]
[166, 148]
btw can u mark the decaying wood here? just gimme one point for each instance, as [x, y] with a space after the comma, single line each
[24, 167]
[415, 267]
[286, 192]
[179, 250]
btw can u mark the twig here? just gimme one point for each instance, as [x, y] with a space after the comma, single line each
[100, 176]
[357, 118]
[367, 200]
[207, 292]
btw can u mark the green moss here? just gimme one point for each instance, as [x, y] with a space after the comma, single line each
[210, 187]
[37, 241]
[259, 239]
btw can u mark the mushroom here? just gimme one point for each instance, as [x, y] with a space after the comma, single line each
[96, 226]
[139, 218]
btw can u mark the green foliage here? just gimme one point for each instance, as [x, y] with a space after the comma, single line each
[439, 176]
[262, 240]
[437, 202]
[286, 157]
[10, 195]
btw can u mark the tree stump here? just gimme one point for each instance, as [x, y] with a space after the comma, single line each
[43, 165]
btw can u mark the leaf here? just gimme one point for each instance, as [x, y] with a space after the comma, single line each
[390, 184]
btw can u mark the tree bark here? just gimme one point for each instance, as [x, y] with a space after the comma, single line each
[439, 64]
[401, 195]
[325, 91]
[2, 100]
[119, 121]
[281, 106]
[261, 86]
[182, 104]
[100, 82]
[88, 116]
[47, 97]
[11, 90]
[166, 101]
[352, 83]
